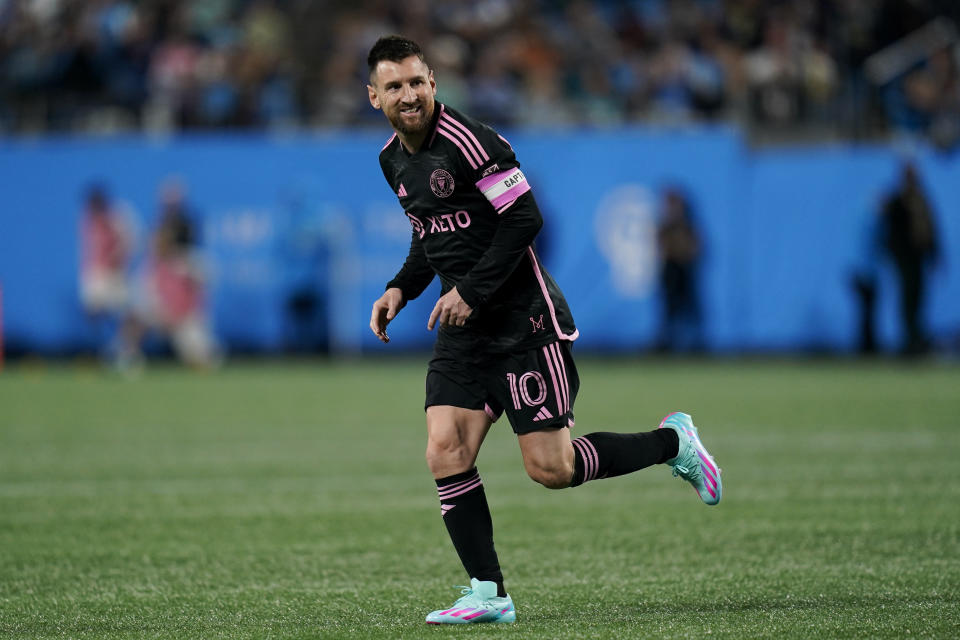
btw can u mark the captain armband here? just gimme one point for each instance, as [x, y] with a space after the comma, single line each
[502, 189]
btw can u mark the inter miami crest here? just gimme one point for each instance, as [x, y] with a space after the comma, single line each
[441, 182]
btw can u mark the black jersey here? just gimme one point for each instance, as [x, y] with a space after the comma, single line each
[474, 220]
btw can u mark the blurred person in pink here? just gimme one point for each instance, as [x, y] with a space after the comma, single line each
[174, 288]
[106, 249]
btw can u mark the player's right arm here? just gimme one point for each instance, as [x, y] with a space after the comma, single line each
[384, 310]
[415, 275]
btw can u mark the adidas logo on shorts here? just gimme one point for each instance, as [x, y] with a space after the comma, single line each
[543, 414]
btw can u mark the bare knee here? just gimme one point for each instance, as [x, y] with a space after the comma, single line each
[554, 475]
[447, 456]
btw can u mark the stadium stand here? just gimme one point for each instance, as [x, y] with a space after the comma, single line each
[785, 69]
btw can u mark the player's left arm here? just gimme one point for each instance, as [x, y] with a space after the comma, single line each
[514, 235]
[505, 187]
[499, 178]
[517, 229]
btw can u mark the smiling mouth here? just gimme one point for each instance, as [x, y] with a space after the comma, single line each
[409, 111]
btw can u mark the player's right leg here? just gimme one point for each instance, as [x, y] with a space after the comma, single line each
[458, 419]
[454, 436]
[479, 603]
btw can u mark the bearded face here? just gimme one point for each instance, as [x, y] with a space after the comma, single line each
[405, 92]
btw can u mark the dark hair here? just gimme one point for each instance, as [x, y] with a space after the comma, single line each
[394, 49]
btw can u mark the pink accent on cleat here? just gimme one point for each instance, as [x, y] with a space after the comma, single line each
[706, 461]
[666, 417]
[710, 481]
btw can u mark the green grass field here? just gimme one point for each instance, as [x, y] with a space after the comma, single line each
[292, 501]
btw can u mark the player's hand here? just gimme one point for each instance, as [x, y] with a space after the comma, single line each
[450, 310]
[384, 310]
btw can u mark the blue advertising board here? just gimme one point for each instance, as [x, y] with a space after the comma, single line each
[300, 234]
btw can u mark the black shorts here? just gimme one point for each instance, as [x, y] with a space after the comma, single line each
[536, 388]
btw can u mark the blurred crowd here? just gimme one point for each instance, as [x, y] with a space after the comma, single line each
[841, 68]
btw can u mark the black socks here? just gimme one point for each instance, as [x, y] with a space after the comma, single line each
[463, 504]
[466, 514]
[605, 455]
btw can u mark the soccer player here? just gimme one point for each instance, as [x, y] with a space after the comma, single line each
[504, 328]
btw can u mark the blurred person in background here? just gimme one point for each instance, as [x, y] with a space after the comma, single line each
[680, 248]
[107, 239]
[865, 276]
[909, 238]
[173, 297]
[505, 332]
[306, 245]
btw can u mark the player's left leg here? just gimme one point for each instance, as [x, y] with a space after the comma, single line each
[549, 380]
[551, 458]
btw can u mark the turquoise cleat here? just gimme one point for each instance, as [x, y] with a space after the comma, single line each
[478, 604]
[693, 463]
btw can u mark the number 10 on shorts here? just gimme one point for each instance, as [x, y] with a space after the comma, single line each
[520, 389]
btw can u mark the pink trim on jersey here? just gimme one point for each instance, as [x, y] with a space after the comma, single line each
[556, 383]
[546, 296]
[490, 413]
[389, 141]
[472, 138]
[445, 125]
[450, 137]
[434, 136]
[505, 141]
